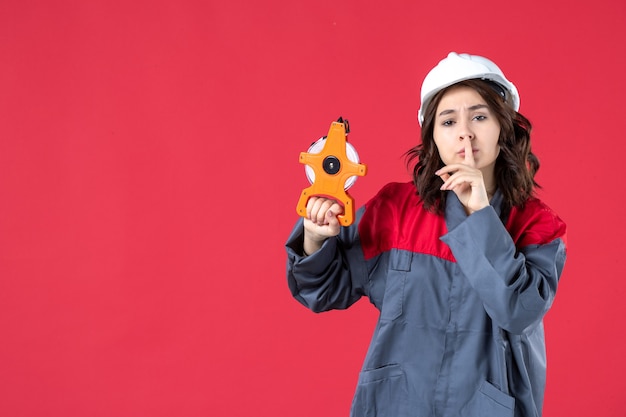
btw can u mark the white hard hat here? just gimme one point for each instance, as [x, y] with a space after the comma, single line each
[459, 67]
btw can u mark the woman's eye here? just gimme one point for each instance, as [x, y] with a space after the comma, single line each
[447, 123]
[480, 117]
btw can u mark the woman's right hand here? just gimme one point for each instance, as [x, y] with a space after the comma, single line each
[320, 222]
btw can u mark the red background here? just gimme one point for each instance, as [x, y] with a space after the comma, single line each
[149, 175]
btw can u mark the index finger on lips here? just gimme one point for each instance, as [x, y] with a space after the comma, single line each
[469, 154]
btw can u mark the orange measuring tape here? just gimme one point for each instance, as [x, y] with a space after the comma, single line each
[332, 168]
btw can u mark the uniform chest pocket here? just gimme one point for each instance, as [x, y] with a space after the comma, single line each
[393, 300]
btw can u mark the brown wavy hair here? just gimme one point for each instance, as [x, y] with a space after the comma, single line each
[515, 166]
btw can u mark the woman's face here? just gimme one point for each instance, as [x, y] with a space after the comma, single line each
[463, 119]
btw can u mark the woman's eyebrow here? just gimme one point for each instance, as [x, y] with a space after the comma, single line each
[478, 107]
[446, 112]
[471, 108]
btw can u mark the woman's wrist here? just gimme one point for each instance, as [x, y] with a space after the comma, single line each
[310, 246]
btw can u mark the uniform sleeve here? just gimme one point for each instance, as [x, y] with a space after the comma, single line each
[334, 277]
[516, 284]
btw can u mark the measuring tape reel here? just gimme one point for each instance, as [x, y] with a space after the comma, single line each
[332, 166]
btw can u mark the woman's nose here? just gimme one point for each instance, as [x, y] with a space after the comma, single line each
[465, 131]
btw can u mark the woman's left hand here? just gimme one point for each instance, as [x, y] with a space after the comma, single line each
[466, 181]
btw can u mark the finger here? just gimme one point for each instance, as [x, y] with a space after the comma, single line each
[335, 206]
[322, 214]
[331, 217]
[314, 207]
[310, 206]
[457, 179]
[452, 183]
[469, 154]
[317, 211]
[448, 172]
[444, 177]
[450, 169]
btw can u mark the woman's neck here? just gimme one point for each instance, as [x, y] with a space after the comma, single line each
[489, 181]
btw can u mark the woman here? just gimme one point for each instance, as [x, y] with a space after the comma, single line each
[463, 262]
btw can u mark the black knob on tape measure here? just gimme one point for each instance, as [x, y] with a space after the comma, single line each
[331, 165]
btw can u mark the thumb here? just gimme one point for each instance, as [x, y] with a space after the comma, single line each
[331, 217]
[332, 220]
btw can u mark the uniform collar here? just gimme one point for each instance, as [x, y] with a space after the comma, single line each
[455, 213]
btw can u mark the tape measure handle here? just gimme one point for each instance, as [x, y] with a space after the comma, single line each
[345, 219]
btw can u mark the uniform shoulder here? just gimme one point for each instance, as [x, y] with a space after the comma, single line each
[535, 223]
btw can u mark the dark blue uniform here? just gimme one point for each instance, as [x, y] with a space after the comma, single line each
[461, 301]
